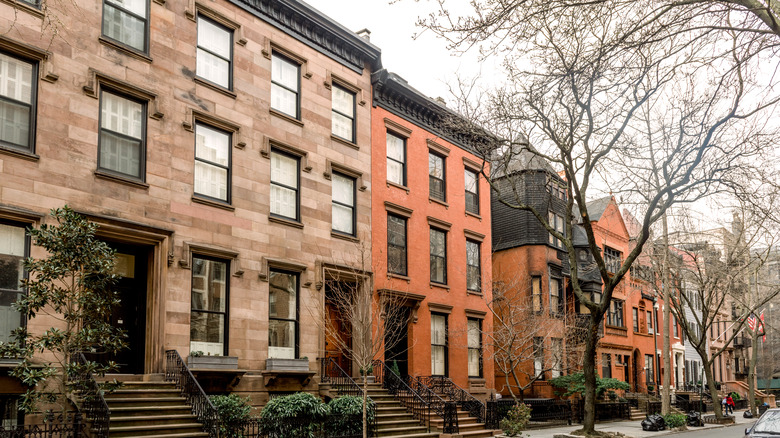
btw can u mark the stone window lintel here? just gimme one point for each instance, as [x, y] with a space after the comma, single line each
[270, 143]
[269, 47]
[473, 235]
[44, 57]
[397, 128]
[439, 224]
[398, 210]
[331, 79]
[331, 167]
[437, 148]
[97, 80]
[190, 248]
[193, 116]
[195, 7]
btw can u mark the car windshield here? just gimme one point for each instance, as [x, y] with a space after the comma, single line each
[768, 423]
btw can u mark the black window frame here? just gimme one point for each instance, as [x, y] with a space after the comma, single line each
[146, 20]
[538, 355]
[650, 324]
[557, 305]
[297, 320]
[353, 207]
[7, 402]
[436, 257]
[555, 220]
[229, 60]
[477, 267]
[33, 105]
[635, 317]
[404, 250]
[537, 304]
[472, 198]
[296, 189]
[144, 113]
[353, 139]
[612, 259]
[432, 192]
[402, 163]
[297, 91]
[445, 345]
[615, 313]
[650, 369]
[479, 348]
[229, 166]
[226, 313]
[27, 245]
[606, 366]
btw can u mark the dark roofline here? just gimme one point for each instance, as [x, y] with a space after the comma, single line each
[394, 94]
[316, 30]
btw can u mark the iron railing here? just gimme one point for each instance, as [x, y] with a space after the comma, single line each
[331, 372]
[606, 411]
[405, 395]
[447, 410]
[467, 402]
[546, 411]
[177, 371]
[93, 404]
[54, 426]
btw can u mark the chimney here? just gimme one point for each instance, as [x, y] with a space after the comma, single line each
[441, 101]
[365, 34]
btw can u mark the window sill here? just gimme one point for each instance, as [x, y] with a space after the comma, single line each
[25, 7]
[475, 215]
[213, 203]
[124, 49]
[284, 116]
[399, 186]
[399, 276]
[474, 292]
[338, 235]
[440, 286]
[121, 179]
[439, 201]
[215, 87]
[344, 142]
[284, 221]
[19, 153]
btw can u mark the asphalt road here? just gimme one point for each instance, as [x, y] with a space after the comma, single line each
[736, 431]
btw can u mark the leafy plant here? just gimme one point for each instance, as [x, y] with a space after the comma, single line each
[346, 416]
[675, 420]
[395, 369]
[298, 415]
[367, 371]
[196, 353]
[735, 396]
[575, 384]
[233, 412]
[516, 419]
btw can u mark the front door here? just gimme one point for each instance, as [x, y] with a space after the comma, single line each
[397, 341]
[130, 313]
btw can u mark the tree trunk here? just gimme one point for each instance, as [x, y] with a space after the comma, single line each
[365, 402]
[752, 372]
[666, 352]
[716, 407]
[589, 370]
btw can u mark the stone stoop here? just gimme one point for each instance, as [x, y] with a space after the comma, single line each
[151, 409]
[467, 425]
[393, 420]
[637, 414]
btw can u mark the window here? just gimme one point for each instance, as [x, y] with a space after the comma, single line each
[473, 266]
[635, 317]
[606, 366]
[125, 21]
[438, 344]
[285, 85]
[396, 244]
[17, 102]
[343, 207]
[536, 294]
[436, 184]
[649, 369]
[396, 159]
[615, 314]
[14, 245]
[282, 315]
[122, 149]
[10, 414]
[284, 185]
[676, 328]
[472, 191]
[556, 222]
[539, 357]
[343, 113]
[650, 322]
[438, 256]
[612, 259]
[475, 346]
[557, 350]
[215, 53]
[212, 163]
[208, 316]
[556, 296]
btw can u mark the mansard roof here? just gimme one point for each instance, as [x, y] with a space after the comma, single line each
[316, 30]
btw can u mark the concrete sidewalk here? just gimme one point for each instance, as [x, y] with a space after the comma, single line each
[632, 428]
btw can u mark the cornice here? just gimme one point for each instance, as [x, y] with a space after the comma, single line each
[317, 31]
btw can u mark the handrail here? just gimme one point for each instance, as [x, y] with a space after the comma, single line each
[93, 404]
[177, 371]
[446, 410]
[467, 402]
[331, 372]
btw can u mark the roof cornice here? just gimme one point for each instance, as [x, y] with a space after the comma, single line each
[318, 31]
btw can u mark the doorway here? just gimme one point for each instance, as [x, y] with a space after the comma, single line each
[130, 314]
[397, 340]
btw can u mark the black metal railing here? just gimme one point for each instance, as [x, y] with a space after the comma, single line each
[93, 404]
[447, 410]
[331, 372]
[546, 411]
[177, 371]
[606, 411]
[54, 426]
[444, 385]
[405, 395]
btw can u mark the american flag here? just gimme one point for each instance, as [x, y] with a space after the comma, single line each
[752, 323]
[761, 326]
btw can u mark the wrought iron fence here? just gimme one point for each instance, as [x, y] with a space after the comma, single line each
[93, 404]
[408, 397]
[54, 426]
[447, 410]
[606, 411]
[547, 411]
[177, 371]
[333, 426]
[467, 402]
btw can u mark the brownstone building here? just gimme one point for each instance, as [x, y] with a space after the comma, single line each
[222, 147]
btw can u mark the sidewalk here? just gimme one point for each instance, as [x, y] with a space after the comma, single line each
[632, 428]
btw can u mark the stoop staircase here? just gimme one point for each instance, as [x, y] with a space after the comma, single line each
[393, 420]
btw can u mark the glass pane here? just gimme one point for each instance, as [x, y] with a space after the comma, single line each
[211, 180]
[343, 189]
[343, 101]
[472, 253]
[15, 79]
[438, 269]
[213, 38]
[120, 154]
[473, 362]
[9, 412]
[12, 242]
[472, 278]
[342, 126]
[207, 333]
[396, 231]
[138, 7]
[471, 181]
[284, 72]
[213, 68]
[282, 295]
[437, 360]
[124, 265]
[342, 219]
[209, 285]
[212, 145]
[123, 27]
[284, 100]
[281, 339]
[283, 202]
[395, 148]
[395, 172]
[435, 166]
[437, 243]
[396, 260]
[284, 170]
[438, 329]
[121, 115]
[473, 333]
[14, 123]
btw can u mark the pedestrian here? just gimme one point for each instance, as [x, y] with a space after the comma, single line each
[730, 403]
[725, 405]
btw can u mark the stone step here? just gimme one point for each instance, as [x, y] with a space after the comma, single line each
[144, 401]
[141, 393]
[401, 431]
[192, 429]
[394, 424]
[136, 411]
[123, 421]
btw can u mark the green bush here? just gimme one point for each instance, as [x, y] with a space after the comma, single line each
[394, 368]
[575, 384]
[233, 412]
[675, 420]
[516, 419]
[735, 396]
[346, 416]
[298, 415]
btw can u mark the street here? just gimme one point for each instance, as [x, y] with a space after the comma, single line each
[735, 431]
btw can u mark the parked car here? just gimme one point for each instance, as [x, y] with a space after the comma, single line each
[766, 426]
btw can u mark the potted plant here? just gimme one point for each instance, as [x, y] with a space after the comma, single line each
[283, 364]
[200, 361]
[367, 373]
